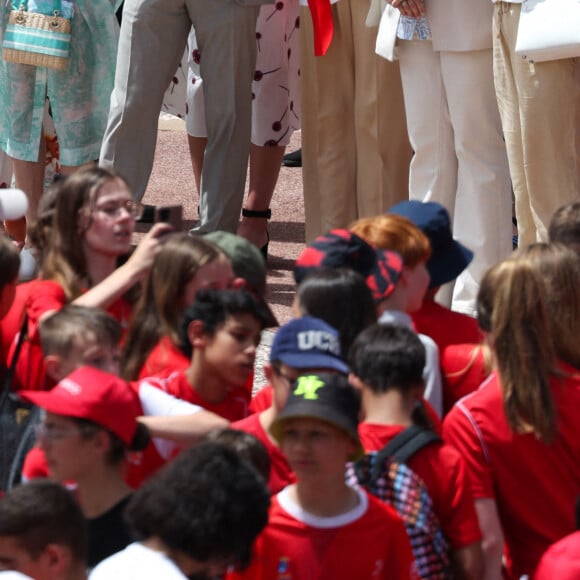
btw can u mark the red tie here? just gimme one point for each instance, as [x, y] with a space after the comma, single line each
[322, 23]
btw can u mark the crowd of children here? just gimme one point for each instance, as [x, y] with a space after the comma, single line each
[396, 439]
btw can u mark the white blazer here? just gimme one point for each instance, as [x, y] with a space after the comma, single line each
[456, 25]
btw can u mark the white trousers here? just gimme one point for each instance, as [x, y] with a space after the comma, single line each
[460, 158]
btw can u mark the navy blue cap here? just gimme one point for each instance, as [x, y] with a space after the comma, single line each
[448, 256]
[339, 248]
[342, 248]
[308, 343]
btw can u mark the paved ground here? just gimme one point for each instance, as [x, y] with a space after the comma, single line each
[172, 182]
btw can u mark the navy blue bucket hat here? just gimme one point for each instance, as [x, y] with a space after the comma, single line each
[448, 256]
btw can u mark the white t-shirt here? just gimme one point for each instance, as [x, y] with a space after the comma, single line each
[158, 403]
[137, 562]
[432, 371]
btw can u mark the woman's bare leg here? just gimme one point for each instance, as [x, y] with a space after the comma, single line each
[265, 163]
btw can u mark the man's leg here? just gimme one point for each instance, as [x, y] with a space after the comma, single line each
[540, 132]
[382, 143]
[482, 217]
[152, 41]
[329, 157]
[225, 33]
[433, 171]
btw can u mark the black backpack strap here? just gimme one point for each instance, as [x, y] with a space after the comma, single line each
[7, 387]
[403, 447]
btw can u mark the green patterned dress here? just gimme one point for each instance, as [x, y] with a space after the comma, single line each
[79, 95]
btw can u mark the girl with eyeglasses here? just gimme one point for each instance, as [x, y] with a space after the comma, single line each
[83, 234]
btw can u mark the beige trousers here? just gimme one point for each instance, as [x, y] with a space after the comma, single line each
[355, 149]
[537, 104]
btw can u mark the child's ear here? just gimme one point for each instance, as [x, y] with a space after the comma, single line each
[404, 277]
[53, 366]
[296, 310]
[268, 372]
[352, 456]
[418, 392]
[57, 559]
[102, 441]
[355, 381]
[238, 283]
[196, 334]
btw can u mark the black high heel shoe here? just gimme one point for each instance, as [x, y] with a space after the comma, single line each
[265, 213]
[293, 159]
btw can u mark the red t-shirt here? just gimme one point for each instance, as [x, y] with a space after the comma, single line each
[43, 296]
[561, 561]
[11, 324]
[281, 474]
[233, 408]
[443, 471]
[445, 326]
[533, 483]
[262, 400]
[369, 542]
[463, 369]
[166, 358]
[163, 360]
[35, 465]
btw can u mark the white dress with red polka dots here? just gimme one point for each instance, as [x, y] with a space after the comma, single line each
[276, 86]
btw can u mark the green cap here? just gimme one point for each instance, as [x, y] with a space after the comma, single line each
[247, 261]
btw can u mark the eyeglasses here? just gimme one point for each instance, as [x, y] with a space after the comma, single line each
[54, 432]
[114, 209]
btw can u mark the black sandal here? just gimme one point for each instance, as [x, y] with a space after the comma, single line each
[265, 213]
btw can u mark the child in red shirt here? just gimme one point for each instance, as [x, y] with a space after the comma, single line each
[519, 433]
[220, 332]
[302, 346]
[183, 266]
[386, 366]
[77, 336]
[320, 527]
[449, 258]
[83, 228]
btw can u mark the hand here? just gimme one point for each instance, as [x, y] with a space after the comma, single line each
[142, 258]
[412, 8]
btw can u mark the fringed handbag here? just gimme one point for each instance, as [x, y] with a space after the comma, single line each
[37, 39]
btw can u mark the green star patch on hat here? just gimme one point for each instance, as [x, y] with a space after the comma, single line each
[325, 396]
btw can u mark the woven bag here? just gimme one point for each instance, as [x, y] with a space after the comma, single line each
[37, 39]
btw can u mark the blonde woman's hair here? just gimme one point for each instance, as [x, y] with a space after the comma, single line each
[530, 305]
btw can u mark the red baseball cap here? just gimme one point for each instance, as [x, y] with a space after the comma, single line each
[88, 393]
